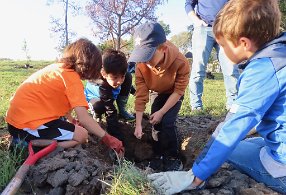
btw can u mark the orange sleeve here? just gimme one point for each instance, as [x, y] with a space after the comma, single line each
[183, 76]
[142, 91]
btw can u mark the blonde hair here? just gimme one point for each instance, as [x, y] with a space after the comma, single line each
[83, 57]
[258, 20]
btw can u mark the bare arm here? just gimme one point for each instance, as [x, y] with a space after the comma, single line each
[87, 122]
[138, 129]
[69, 116]
[156, 117]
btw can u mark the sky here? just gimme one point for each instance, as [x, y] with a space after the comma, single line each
[30, 20]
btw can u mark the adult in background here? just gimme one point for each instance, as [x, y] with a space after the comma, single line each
[202, 14]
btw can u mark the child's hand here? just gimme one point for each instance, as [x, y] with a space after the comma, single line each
[156, 117]
[138, 132]
[113, 143]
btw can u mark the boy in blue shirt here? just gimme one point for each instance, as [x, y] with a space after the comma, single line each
[102, 93]
[249, 32]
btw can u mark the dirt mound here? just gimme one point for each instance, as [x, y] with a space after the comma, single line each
[86, 169]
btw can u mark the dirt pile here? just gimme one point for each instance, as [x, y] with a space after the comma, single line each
[83, 169]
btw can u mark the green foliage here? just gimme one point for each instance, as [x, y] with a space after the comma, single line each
[182, 41]
[129, 180]
[26, 50]
[10, 161]
[166, 27]
[282, 5]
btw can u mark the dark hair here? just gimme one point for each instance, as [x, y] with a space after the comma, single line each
[83, 57]
[114, 62]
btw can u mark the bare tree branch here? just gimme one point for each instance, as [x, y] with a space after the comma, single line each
[117, 18]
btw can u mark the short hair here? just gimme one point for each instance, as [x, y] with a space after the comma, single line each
[257, 20]
[83, 57]
[114, 62]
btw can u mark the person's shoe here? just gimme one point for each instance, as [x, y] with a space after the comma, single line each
[172, 164]
[197, 109]
[127, 117]
[156, 163]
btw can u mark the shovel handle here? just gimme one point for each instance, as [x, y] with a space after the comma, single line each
[42, 142]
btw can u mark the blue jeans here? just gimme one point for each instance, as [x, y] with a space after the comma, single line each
[203, 42]
[245, 158]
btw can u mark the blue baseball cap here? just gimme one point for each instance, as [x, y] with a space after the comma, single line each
[147, 38]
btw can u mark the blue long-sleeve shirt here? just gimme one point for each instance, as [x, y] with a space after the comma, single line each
[205, 9]
[261, 102]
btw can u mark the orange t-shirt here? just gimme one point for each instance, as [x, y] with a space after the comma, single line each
[45, 96]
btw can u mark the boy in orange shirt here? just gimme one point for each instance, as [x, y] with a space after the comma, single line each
[39, 103]
[164, 71]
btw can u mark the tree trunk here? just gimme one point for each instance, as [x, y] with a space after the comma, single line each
[66, 23]
[119, 34]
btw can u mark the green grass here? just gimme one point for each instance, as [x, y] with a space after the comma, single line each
[10, 161]
[129, 180]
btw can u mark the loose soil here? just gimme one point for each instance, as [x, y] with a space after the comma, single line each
[86, 169]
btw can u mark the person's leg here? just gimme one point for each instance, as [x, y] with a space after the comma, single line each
[245, 158]
[80, 136]
[67, 134]
[98, 108]
[168, 143]
[230, 76]
[202, 46]
[123, 98]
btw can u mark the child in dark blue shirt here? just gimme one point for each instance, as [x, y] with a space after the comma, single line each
[102, 93]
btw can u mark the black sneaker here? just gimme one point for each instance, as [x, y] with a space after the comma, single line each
[156, 164]
[172, 164]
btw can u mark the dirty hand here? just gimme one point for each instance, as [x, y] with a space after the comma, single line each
[138, 132]
[172, 182]
[113, 143]
[156, 117]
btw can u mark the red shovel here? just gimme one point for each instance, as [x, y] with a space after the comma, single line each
[19, 177]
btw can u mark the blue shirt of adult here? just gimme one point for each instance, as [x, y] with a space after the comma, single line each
[205, 9]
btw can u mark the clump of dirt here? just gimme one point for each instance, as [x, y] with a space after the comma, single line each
[87, 169]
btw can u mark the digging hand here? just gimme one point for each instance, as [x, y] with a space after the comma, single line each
[113, 143]
[172, 182]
